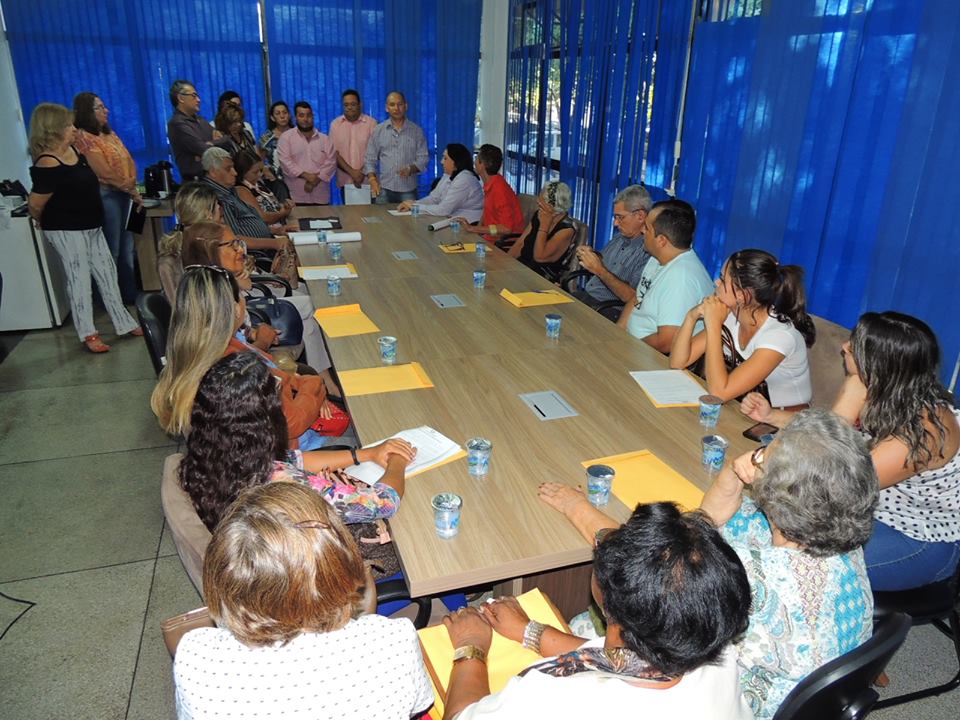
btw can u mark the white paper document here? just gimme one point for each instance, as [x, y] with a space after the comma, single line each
[342, 237]
[309, 237]
[320, 224]
[322, 273]
[397, 213]
[439, 224]
[669, 387]
[432, 448]
[370, 219]
[354, 195]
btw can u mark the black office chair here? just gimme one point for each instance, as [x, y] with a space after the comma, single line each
[937, 603]
[842, 689]
[153, 312]
[570, 282]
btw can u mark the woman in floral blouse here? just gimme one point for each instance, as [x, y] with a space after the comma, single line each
[238, 439]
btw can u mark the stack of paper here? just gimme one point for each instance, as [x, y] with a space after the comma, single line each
[642, 477]
[343, 320]
[342, 237]
[506, 657]
[322, 272]
[535, 297]
[398, 213]
[433, 449]
[389, 378]
[356, 195]
[669, 388]
[326, 223]
[312, 237]
[458, 247]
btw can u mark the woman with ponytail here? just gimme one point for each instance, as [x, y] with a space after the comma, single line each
[756, 332]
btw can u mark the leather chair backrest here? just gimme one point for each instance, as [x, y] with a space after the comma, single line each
[528, 205]
[190, 535]
[153, 311]
[826, 365]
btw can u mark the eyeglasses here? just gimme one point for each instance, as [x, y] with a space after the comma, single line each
[756, 459]
[619, 218]
[190, 94]
[235, 244]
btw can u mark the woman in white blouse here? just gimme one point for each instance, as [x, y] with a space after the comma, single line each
[459, 192]
[285, 584]
[756, 332]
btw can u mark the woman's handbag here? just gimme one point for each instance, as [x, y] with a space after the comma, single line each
[335, 425]
[285, 264]
[282, 316]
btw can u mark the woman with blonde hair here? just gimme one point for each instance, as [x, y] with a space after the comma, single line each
[285, 583]
[547, 241]
[196, 202]
[65, 202]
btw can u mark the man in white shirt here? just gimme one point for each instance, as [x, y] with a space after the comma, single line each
[674, 279]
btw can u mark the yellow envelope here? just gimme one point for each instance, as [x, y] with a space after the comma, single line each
[452, 458]
[534, 298]
[453, 248]
[343, 320]
[506, 657]
[389, 378]
[642, 477]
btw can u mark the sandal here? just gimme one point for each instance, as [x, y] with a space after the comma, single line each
[95, 344]
[136, 332]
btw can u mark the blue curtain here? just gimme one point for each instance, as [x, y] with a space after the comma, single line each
[616, 69]
[825, 132]
[129, 52]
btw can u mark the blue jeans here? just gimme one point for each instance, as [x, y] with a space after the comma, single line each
[898, 562]
[392, 197]
[120, 241]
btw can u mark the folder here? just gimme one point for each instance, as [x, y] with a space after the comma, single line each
[669, 388]
[506, 657]
[344, 320]
[535, 297]
[642, 477]
[389, 378]
[322, 272]
[454, 248]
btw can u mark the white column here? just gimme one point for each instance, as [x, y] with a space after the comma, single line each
[14, 159]
[493, 70]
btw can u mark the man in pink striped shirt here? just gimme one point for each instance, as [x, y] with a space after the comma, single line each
[308, 159]
[350, 133]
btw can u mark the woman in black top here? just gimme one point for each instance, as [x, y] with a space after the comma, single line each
[546, 243]
[65, 201]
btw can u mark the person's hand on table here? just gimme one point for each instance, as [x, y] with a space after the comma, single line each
[506, 617]
[380, 454]
[756, 407]
[562, 498]
[289, 203]
[405, 206]
[467, 626]
[589, 259]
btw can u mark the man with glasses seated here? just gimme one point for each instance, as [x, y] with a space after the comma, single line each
[188, 133]
[617, 272]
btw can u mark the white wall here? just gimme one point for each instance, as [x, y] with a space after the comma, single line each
[493, 70]
[14, 159]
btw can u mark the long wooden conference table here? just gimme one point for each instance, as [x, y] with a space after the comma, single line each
[481, 357]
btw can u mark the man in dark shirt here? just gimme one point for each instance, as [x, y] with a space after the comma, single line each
[189, 134]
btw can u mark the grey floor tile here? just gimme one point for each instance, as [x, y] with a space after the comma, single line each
[152, 695]
[78, 513]
[51, 358]
[166, 542]
[64, 422]
[72, 656]
[926, 658]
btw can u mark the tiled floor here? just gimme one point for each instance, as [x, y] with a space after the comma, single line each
[82, 537]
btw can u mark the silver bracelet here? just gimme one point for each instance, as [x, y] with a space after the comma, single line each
[532, 634]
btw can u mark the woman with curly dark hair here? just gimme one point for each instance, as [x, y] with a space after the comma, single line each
[756, 332]
[238, 439]
[893, 391]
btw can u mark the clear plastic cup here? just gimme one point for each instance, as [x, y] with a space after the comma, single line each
[599, 483]
[553, 321]
[388, 349]
[478, 456]
[415, 210]
[336, 251]
[714, 452]
[710, 410]
[333, 286]
[481, 249]
[446, 514]
[455, 227]
[479, 279]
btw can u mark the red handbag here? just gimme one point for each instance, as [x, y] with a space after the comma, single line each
[335, 425]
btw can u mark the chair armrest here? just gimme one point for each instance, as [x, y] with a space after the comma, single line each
[268, 279]
[259, 315]
[610, 309]
[391, 590]
[567, 279]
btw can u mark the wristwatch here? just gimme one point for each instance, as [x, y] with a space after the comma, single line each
[469, 652]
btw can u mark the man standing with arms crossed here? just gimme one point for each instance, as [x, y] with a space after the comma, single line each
[398, 148]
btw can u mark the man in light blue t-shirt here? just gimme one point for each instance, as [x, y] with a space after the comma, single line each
[673, 281]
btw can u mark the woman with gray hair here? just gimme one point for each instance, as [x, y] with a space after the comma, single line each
[813, 492]
[548, 240]
[800, 539]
